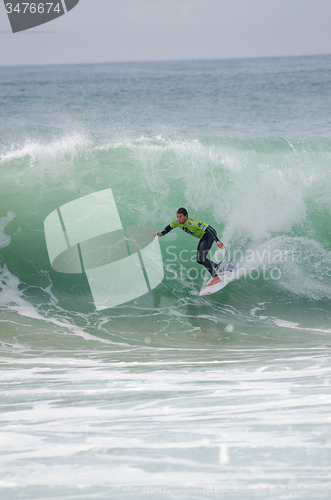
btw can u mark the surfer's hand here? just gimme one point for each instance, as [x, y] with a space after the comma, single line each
[220, 244]
[157, 234]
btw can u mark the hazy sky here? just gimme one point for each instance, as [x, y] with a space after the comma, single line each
[151, 30]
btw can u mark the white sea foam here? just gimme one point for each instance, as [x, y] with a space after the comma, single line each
[12, 296]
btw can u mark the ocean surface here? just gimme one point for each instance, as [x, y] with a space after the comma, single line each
[170, 394]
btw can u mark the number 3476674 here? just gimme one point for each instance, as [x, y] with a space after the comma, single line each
[33, 8]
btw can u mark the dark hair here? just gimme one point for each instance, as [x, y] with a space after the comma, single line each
[182, 211]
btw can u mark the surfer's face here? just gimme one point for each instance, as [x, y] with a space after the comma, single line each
[181, 218]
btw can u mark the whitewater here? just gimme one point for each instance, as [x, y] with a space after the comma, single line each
[170, 394]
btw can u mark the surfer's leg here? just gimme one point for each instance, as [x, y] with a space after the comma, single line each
[203, 248]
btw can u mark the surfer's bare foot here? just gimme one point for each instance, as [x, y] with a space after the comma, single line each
[215, 280]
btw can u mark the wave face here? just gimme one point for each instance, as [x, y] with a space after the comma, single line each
[271, 196]
[245, 147]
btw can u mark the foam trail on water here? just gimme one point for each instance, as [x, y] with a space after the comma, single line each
[13, 298]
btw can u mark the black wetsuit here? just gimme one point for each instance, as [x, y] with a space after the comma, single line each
[204, 246]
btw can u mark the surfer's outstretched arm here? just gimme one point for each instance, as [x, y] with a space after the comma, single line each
[165, 231]
[210, 230]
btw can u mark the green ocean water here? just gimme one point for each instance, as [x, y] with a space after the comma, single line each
[171, 389]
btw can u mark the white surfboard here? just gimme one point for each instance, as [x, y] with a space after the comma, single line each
[226, 275]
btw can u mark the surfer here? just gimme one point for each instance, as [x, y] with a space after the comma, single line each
[204, 232]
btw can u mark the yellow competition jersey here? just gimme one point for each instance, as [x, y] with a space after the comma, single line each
[192, 226]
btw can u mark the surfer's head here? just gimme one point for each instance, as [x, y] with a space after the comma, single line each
[182, 215]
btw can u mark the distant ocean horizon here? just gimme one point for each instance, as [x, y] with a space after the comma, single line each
[167, 61]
